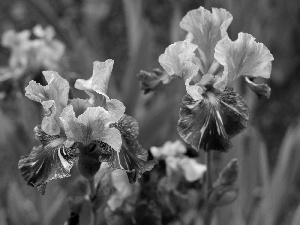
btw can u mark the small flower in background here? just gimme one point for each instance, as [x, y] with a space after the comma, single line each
[177, 164]
[209, 62]
[168, 149]
[97, 126]
[44, 52]
[124, 191]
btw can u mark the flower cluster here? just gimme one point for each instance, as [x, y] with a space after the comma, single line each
[209, 62]
[79, 128]
[28, 55]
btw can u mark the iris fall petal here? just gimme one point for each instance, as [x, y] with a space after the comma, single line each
[210, 123]
[51, 160]
[132, 157]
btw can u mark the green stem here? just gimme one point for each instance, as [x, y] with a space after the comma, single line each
[208, 186]
[93, 220]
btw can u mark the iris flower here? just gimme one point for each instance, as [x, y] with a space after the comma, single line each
[209, 62]
[71, 126]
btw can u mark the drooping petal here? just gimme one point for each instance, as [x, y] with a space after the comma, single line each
[132, 157]
[262, 90]
[128, 126]
[51, 160]
[128, 159]
[92, 125]
[115, 108]
[243, 57]
[207, 29]
[99, 80]
[178, 60]
[53, 97]
[149, 81]
[210, 123]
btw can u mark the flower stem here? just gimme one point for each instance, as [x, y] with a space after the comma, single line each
[93, 220]
[208, 186]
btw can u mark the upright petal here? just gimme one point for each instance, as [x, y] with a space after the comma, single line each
[207, 29]
[178, 60]
[243, 57]
[210, 123]
[51, 160]
[99, 80]
[53, 97]
[92, 125]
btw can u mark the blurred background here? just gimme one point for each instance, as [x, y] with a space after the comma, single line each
[134, 33]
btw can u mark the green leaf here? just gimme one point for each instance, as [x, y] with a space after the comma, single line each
[281, 195]
[222, 195]
[228, 175]
[53, 97]
[243, 57]
[207, 28]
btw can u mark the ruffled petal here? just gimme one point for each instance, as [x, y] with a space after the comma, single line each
[53, 97]
[99, 80]
[115, 108]
[128, 126]
[194, 90]
[149, 81]
[127, 159]
[210, 123]
[178, 60]
[51, 160]
[132, 157]
[243, 57]
[207, 29]
[96, 87]
[92, 125]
